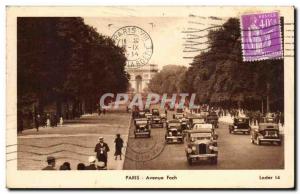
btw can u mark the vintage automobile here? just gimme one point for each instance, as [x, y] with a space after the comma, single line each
[163, 117]
[157, 120]
[194, 120]
[148, 115]
[155, 112]
[142, 128]
[267, 119]
[203, 114]
[174, 132]
[240, 125]
[213, 118]
[199, 126]
[266, 132]
[200, 146]
[184, 124]
[178, 116]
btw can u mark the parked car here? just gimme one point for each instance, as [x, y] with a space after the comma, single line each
[174, 132]
[266, 133]
[142, 128]
[240, 125]
[200, 146]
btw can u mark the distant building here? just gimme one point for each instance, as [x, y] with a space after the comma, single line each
[140, 77]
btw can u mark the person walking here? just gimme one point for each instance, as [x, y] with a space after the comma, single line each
[119, 145]
[101, 149]
[37, 122]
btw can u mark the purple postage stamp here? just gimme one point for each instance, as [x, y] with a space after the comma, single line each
[261, 36]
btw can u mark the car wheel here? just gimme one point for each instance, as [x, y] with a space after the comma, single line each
[190, 161]
[252, 141]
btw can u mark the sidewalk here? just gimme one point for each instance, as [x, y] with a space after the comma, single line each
[73, 142]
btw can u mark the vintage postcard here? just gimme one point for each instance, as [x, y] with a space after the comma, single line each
[150, 97]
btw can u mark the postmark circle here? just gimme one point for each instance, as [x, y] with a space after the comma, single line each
[137, 43]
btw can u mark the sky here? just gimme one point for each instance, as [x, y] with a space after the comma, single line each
[167, 34]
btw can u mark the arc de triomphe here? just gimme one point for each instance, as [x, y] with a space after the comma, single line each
[140, 77]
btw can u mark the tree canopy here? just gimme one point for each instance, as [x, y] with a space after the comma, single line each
[63, 59]
[219, 75]
[168, 80]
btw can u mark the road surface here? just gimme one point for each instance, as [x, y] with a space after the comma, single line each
[235, 152]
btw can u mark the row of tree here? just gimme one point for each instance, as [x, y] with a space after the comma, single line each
[64, 61]
[220, 77]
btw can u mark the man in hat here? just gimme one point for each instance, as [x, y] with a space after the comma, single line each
[92, 166]
[101, 149]
[51, 163]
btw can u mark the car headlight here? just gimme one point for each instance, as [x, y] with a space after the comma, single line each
[215, 149]
[189, 150]
[194, 148]
[235, 127]
[211, 147]
[178, 133]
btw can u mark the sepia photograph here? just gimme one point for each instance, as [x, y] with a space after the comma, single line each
[140, 91]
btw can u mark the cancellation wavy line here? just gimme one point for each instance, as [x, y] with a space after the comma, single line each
[195, 43]
[49, 153]
[195, 49]
[209, 17]
[49, 146]
[39, 160]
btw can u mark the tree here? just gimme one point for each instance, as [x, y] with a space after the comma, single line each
[169, 80]
[62, 60]
[219, 75]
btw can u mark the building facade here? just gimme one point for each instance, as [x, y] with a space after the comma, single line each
[140, 77]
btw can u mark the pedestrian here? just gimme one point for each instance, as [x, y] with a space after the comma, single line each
[61, 121]
[80, 166]
[119, 145]
[101, 149]
[51, 163]
[48, 120]
[37, 121]
[65, 166]
[55, 118]
[92, 166]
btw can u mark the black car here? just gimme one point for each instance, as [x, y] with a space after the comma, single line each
[213, 119]
[142, 128]
[240, 125]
